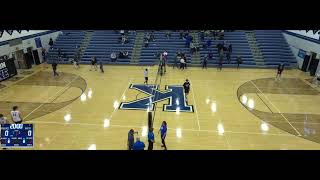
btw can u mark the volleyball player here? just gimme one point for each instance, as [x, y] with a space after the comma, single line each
[94, 63]
[186, 86]
[3, 120]
[146, 76]
[16, 115]
[163, 133]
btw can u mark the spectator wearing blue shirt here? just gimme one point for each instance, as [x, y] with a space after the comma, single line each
[163, 132]
[138, 145]
[150, 139]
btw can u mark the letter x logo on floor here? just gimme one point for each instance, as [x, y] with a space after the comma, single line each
[175, 95]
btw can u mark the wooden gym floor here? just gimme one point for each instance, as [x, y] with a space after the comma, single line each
[233, 109]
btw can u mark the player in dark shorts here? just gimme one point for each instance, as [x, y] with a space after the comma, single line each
[94, 63]
[186, 86]
[280, 70]
[54, 68]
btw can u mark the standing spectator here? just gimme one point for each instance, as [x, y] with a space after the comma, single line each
[177, 59]
[163, 133]
[228, 56]
[230, 48]
[239, 61]
[150, 139]
[138, 145]
[122, 32]
[101, 66]
[3, 120]
[54, 68]
[221, 54]
[16, 115]
[146, 76]
[50, 42]
[280, 69]
[182, 62]
[205, 62]
[44, 55]
[131, 139]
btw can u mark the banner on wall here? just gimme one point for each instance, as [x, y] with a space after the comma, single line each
[38, 42]
[302, 53]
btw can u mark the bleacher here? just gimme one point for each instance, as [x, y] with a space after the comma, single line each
[274, 48]
[104, 42]
[240, 46]
[161, 43]
[67, 41]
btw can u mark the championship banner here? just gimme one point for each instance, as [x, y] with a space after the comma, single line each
[7, 69]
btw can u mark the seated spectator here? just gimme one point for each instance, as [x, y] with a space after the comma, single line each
[181, 34]
[152, 37]
[123, 54]
[148, 36]
[146, 42]
[202, 35]
[113, 57]
[210, 55]
[122, 32]
[209, 42]
[124, 39]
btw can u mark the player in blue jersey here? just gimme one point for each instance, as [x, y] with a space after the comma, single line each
[163, 133]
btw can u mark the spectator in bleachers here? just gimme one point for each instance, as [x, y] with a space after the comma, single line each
[181, 34]
[60, 55]
[152, 37]
[124, 39]
[239, 61]
[123, 54]
[146, 42]
[188, 39]
[219, 46]
[202, 35]
[122, 32]
[230, 48]
[168, 34]
[148, 36]
[50, 42]
[113, 57]
[209, 42]
[210, 54]
[176, 60]
[228, 56]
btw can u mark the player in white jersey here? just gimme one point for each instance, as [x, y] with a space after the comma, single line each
[146, 76]
[16, 115]
[3, 120]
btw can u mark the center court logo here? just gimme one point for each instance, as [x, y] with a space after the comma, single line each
[175, 95]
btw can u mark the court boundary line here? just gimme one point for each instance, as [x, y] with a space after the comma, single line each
[54, 96]
[195, 104]
[264, 103]
[120, 99]
[276, 109]
[192, 130]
